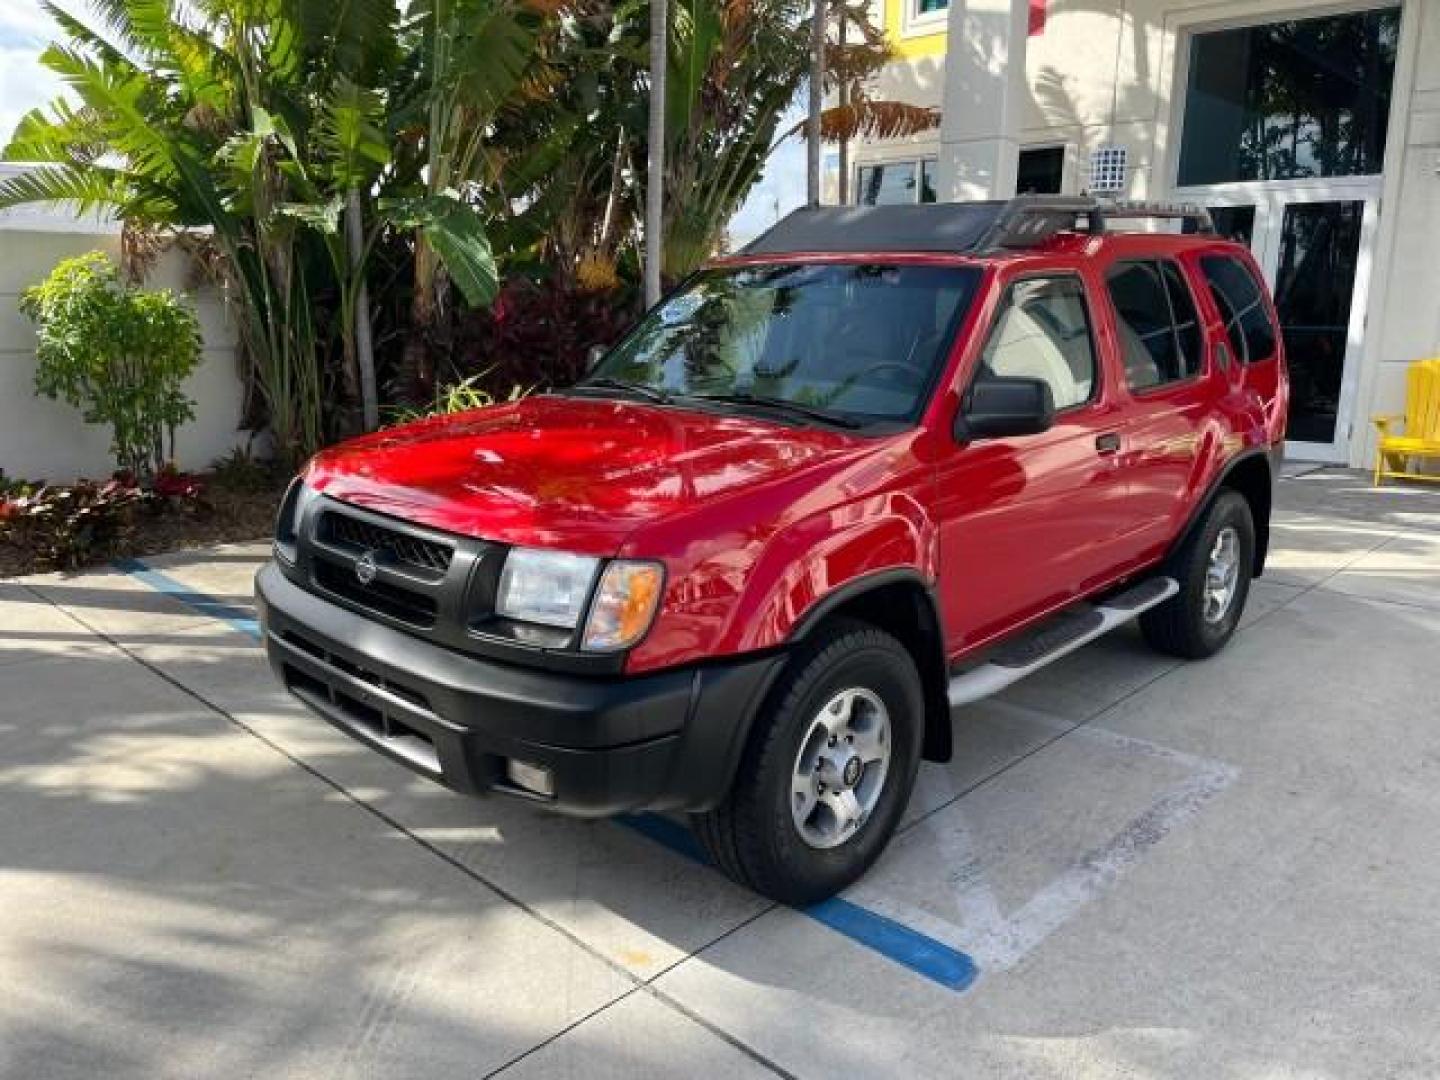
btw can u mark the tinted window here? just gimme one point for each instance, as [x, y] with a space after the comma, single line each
[862, 340]
[887, 185]
[1242, 307]
[1306, 97]
[1040, 171]
[929, 167]
[1187, 322]
[1043, 332]
[1155, 315]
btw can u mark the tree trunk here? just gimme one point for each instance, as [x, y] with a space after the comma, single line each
[364, 347]
[844, 103]
[817, 104]
[655, 166]
[416, 357]
[612, 199]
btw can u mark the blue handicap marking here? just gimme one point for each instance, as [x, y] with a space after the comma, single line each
[909, 948]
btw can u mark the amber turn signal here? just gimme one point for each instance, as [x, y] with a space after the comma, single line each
[624, 606]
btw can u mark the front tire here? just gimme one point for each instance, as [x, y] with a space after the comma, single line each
[827, 771]
[1213, 568]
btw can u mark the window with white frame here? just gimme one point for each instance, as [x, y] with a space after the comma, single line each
[895, 183]
[923, 16]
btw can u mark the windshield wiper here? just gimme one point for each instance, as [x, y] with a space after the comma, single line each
[604, 382]
[777, 404]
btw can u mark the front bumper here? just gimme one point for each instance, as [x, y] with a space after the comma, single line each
[611, 744]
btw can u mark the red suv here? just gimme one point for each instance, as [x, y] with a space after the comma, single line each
[883, 462]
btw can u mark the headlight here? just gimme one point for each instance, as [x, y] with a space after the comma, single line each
[288, 519]
[624, 605]
[554, 589]
[546, 587]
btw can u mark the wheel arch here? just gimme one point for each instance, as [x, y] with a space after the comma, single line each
[902, 603]
[1253, 474]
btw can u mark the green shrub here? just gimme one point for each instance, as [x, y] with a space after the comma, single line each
[241, 471]
[116, 352]
[456, 398]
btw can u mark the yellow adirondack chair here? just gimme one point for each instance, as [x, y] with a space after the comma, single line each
[1396, 454]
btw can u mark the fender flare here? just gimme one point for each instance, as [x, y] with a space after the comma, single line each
[1272, 456]
[928, 650]
[856, 588]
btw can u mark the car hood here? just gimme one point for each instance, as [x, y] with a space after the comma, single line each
[569, 472]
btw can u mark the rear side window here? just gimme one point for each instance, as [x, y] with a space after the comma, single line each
[1159, 330]
[1242, 307]
[1043, 332]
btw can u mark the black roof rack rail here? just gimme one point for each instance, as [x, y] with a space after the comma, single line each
[1028, 220]
[1193, 213]
[960, 228]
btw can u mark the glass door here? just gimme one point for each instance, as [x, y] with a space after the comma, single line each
[1315, 267]
[1283, 131]
[1313, 242]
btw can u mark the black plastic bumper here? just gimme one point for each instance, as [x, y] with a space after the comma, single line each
[670, 740]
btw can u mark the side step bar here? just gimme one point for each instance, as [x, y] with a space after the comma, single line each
[1059, 637]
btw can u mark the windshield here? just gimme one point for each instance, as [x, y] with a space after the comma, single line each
[860, 341]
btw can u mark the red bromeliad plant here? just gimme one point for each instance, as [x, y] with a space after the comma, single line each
[65, 526]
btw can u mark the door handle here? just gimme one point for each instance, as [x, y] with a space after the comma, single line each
[1108, 443]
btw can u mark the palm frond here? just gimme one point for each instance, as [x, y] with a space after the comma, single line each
[87, 189]
[351, 135]
[873, 120]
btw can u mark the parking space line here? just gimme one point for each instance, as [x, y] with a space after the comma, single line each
[237, 618]
[901, 944]
[637, 984]
[999, 942]
[946, 954]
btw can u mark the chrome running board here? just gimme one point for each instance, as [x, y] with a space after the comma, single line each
[1060, 636]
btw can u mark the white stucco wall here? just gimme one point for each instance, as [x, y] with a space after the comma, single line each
[1109, 72]
[44, 439]
[1405, 300]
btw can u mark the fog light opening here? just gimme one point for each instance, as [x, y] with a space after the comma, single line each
[532, 778]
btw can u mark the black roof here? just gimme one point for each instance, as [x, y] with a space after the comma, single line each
[945, 227]
[969, 227]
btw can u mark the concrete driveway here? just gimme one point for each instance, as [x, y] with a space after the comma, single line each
[1133, 867]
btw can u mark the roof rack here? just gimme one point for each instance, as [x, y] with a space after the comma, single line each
[974, 227]
[1028, 220]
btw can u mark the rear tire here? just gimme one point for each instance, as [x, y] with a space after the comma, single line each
[852, 694]
[1213, 568]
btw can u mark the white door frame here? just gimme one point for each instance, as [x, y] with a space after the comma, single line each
[1182, 20]
[1270, 198]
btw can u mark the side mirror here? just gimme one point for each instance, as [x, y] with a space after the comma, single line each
[593, 356]
[1001, 406]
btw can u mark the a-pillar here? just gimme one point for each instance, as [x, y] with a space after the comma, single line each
[985, 91]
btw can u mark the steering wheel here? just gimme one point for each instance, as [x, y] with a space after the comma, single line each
[886, 365]
[858, 379]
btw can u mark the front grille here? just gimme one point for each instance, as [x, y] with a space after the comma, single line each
[430, 557]
[373, 716]
[403, 605]
[355, 671]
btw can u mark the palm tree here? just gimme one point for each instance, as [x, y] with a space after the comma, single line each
[462, 62]
[253, 127]
[848, 68]
[655, 151]
[817, 103]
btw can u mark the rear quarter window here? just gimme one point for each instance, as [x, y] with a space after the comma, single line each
[1155, 316]
[1242, 307]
